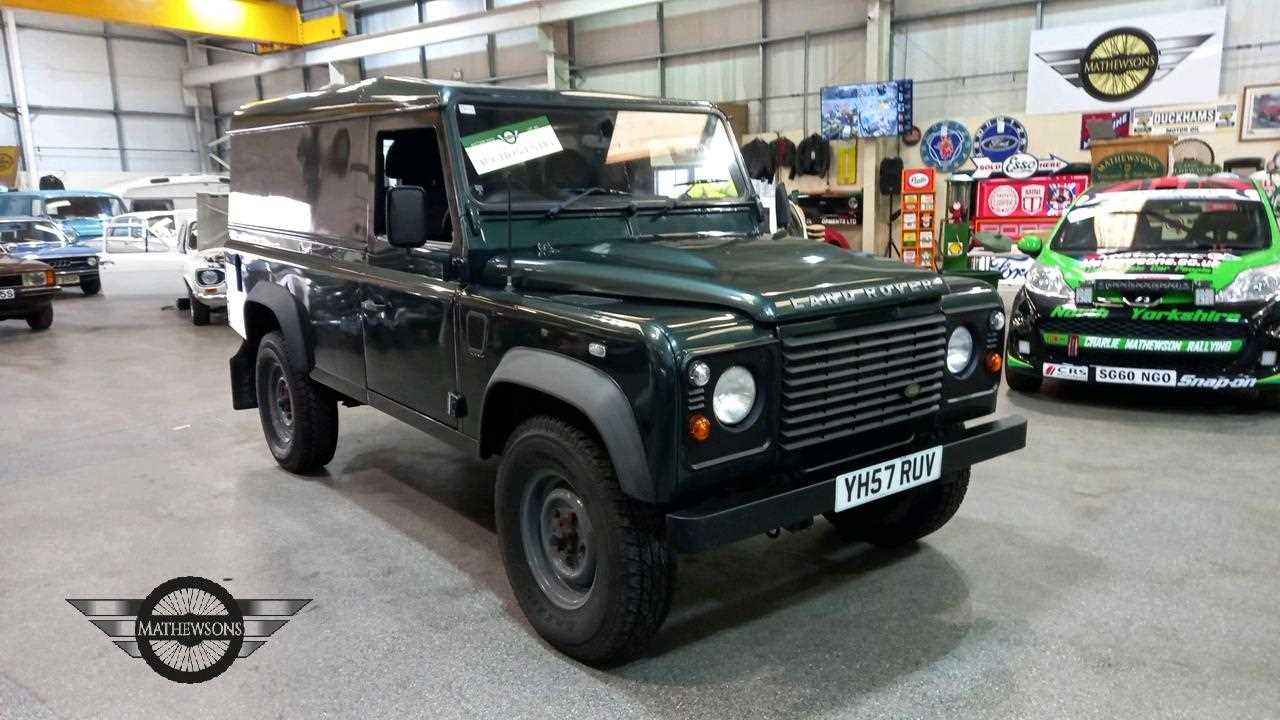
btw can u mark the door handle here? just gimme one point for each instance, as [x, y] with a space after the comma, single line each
[373, 308]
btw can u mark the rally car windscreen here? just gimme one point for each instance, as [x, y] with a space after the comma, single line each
[551, 154]
[1164, 221]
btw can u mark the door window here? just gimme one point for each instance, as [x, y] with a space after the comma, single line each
[412, 157]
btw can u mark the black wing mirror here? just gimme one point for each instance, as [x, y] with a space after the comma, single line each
[406, 216]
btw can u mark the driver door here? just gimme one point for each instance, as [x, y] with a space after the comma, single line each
[407, 301]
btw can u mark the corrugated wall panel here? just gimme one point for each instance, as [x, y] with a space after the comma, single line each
[281, 83]
[75, 141]
[693, 24]
[65, 70]
[616, 35]
[639, 78]
[158, 144]
[149, 75]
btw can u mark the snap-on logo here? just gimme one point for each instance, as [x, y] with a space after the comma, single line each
[853, 295]
[917, 180]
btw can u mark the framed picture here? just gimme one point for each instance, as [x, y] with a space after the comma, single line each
[1260, 119]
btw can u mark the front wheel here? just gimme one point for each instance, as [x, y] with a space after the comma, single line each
[905, 517]
[91, 286]
[199, 311]
[299, 417]
[587, 564]
[42, 319]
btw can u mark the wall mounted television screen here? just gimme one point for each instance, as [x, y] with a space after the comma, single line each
[881, 109]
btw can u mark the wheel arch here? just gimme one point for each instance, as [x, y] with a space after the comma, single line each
[267, 308]
[525, 376]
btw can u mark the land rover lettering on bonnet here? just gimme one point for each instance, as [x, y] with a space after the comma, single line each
[584, 285]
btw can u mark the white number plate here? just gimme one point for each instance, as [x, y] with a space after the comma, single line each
[1066, 372]
[872, 483]
[1135, 376]
[7, 294]
[68, 279]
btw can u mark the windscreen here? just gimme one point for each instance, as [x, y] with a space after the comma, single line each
[27, 232]
[64, 208]
[1192, 220]
[552, 154]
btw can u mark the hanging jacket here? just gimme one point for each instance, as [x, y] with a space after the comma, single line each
[759, 160]
[783, 152]
[813, 156]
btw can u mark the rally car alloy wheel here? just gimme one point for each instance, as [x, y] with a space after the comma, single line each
[586, 562]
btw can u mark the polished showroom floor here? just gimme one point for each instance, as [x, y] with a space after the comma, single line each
[1126, 564]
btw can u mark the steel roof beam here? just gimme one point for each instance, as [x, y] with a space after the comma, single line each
[499, 19]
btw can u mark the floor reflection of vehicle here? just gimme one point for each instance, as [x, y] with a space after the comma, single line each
[33, 238]
[81, 213]
[26, 288]
[145, 232]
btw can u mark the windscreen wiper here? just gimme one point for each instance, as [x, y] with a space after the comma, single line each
[584, 193]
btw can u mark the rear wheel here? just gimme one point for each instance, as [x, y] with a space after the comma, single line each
[299, 416]
[41, 319]
[585, 561]
[91, 286]
[905, 517]
[1022, 383]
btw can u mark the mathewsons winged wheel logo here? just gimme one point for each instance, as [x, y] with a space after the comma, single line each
[1122, 62]
[189, 629]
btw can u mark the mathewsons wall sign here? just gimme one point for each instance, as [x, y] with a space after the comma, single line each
[1149, 60]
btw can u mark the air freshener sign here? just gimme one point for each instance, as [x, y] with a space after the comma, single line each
[508, 145]
[1151, 60]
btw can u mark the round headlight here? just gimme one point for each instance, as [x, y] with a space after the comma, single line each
[996, 321]
[959, 350]
[734, 396]
[699, 374]
[92, 260]
[209, 277]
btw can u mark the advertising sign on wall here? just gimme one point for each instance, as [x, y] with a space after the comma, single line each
[1119, 122]
[1151, 60]
[1186, 120]
[1037, 197]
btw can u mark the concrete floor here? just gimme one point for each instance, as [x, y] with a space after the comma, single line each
[1125, 565]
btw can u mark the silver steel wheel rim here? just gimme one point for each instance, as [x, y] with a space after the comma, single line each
[281, 406]
[558, 540]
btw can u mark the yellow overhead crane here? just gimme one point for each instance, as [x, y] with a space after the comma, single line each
[272, 25]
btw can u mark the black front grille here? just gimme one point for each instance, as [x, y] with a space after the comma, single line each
[839, 383]
[1124, 327]
[64, 264]
[10, 280]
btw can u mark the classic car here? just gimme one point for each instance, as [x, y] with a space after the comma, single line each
[33, 238]
[81, 212]
[26, 290]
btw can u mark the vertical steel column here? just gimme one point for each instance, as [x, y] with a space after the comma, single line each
[21, 108]
[197, 116]
[662, 49]
[491, 45]
[115, 97]
[573, 52]
[1039, 14]
[764, 66]
[804, 87]
[422, 49]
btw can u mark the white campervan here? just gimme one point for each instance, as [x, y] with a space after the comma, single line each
[169, 192]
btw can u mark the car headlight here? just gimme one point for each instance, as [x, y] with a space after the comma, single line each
[959, 350]
[35, 279]
[209, 277]
[92, 260]
[734, 395]
[1252, 285]
[996, 321]
[699, 374]
[1046, 280]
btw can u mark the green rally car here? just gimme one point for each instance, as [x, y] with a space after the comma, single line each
[1171, 282]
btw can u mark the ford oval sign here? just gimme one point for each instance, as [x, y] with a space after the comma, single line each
[1021, 166]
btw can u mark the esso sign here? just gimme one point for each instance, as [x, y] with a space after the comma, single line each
[917, 180]
[1021, 166]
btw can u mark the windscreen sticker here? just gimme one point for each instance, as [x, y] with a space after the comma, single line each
[508, 145]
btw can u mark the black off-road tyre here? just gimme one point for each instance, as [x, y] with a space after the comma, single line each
[306, 442]
[905, 517]
[41, 319]
[91, 286]
[199, 311]
[1022, 383]
[630, 590]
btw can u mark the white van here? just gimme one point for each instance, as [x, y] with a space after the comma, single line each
[169, 192]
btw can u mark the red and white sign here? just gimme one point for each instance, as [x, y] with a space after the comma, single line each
[1037, 197]
[918, 180]
[1020, 164]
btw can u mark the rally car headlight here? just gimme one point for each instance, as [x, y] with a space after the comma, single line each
[959, 350]
[734, 395]
[1252, 285]
[92, 260]
[1048, 281]
[209, 277]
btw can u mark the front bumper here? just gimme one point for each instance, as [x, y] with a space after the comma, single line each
[75, 277]
[26, 301]
[724, 520]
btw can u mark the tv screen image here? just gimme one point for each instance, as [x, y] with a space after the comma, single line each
[881, 109]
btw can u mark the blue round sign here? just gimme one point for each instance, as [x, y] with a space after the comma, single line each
[1000, 138]
[946, 146]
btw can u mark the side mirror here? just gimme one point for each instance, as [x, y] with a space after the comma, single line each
[406, 216]
[1031, 245]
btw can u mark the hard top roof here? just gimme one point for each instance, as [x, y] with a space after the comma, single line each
[52, 194]
[1179, 183]
[390, 94]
